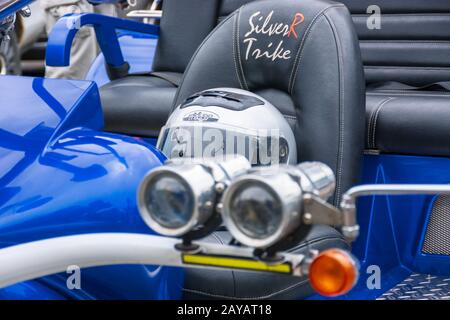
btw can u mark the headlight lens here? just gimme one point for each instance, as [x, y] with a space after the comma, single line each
[256, 211]
[180, 197]
[259, 209]
[170, 201]
[265, 206]
[173, 200]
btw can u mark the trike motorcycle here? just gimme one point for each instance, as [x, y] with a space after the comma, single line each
[76, 178]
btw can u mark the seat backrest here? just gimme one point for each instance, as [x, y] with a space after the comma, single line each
[412, 43]
[184, 25]
[302, 56]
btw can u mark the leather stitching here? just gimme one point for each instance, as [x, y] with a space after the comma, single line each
[409, 42]
[370, 125]
[376, 120]
[272, 294]
[409, 67]
[290, 117]
[300, 50]
[404, 14]
[214, 234]
[219, 240]
[309, 243]
[299, 54]
[340, 154]
[412, 91]
[407, 94]
[235, 43]
[268, 296]
[239, 50]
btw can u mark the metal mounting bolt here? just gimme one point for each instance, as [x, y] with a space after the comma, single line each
[208, 204]
[307, 218]
[25, 12]
[220, 187]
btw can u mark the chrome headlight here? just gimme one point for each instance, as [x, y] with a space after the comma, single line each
[181, 195]
[263, 207]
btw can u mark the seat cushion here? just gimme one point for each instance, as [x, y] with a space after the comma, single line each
[225, 284]
[138, 105]
[408, 122]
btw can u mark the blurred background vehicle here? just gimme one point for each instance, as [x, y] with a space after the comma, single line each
[27, 41]
[25, 52]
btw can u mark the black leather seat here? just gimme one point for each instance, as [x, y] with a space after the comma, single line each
[210, 284]
[410, 48]
[412, 122]
[137, 105]
[140, 104]
[316, 81]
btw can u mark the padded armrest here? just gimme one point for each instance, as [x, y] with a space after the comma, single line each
[62, 35]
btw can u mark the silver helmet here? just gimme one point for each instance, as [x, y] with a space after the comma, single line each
[225, 121]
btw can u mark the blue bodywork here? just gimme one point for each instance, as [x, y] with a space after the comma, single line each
[393, 227]
[138, 50]
[61, 175]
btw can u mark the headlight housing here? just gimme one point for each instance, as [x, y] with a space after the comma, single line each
[263, 207]
[180, 197]
[258, 209]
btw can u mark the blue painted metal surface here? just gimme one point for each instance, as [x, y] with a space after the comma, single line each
[393, 227]
[30, 290]
[62, 35]
[138, 50]
[60, 175]
[14, 7]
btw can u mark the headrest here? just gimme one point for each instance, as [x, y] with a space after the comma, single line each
[262, 44]
[302, 56]
[269, 40]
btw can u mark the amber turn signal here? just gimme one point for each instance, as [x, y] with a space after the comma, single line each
[333, 273]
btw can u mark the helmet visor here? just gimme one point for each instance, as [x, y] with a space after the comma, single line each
[260, 147]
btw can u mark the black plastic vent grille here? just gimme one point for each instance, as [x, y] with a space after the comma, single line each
[437, 237]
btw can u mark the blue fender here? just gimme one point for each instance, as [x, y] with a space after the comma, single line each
[61, 175]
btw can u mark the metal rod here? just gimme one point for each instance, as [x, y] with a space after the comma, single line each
[350, 228]
[40, 258]
[396, 189]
